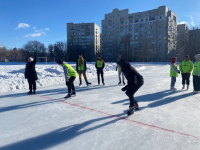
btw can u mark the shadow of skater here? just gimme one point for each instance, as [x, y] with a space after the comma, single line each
[60, 135]
[167, 100]
[149, 97]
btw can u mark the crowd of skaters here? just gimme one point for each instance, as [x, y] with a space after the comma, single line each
[125, 70]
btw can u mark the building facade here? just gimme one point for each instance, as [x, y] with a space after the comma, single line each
[85, 35]
[156, 28]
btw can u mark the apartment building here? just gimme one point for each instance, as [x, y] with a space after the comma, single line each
[84, 34]
[157, 27]
[182, 38]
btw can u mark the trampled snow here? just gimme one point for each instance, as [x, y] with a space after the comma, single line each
[96, 118]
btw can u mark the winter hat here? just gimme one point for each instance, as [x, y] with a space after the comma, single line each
[197, 56]
[173, 60]
[121, 62]
[59, 61]
[30, 58]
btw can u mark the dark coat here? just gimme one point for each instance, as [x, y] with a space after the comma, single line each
[78, 64]
[132, 75]
[30, 72]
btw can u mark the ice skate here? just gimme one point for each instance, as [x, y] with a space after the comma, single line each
[30, 92]
[34, 92]
[173, 89]
[183, 87]
[119, 83]
[68, 96]
[103, 83]
[73, 94]
[88, 83]
[131, 110]
[187, 87]
[124, 83]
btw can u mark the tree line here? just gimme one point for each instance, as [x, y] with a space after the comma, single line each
[187, 44]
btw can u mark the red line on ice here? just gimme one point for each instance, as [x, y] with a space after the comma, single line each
[153, 126]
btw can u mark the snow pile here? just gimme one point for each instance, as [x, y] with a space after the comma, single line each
[12, 74]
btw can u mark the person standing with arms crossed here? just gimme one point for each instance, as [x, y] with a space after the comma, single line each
[100, 64]
[186, 67]
[81, 69]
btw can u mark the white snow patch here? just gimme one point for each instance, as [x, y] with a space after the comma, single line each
[12, 74]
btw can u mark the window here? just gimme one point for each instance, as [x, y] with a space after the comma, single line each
[159, 32]
[146, 19]
[159, 36]
[159, 40]
[137, 33]
[136, 29]
[142, 28]
[142, 20]
[136, 20]
[160, 26]
[160, 17]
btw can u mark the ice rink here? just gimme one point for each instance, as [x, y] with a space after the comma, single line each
[96, 118]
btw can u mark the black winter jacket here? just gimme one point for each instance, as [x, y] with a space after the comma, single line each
[132, 75]
[30, 72]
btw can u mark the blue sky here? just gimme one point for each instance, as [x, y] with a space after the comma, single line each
[45, 20]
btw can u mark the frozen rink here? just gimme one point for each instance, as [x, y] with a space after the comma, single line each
[96, 118]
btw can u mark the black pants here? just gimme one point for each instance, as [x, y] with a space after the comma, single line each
[196, 83]
[185, 77]
[100, 72]
[131, 91]
[70, 84]
[32, 85]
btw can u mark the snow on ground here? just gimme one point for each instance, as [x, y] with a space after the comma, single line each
[96, 118]
[12, 74]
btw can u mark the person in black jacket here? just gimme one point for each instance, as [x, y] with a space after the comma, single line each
[81, 69]
[30, 74]
[134, 80]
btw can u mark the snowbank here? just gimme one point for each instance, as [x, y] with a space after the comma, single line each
[12, 74]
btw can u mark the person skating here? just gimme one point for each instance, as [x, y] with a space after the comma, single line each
[173, 73]
[134, 82]
[196, 74]
[120, 73]
[81, 69]
[70, 76]
[30, 74]
[186, 67]
[100, 64]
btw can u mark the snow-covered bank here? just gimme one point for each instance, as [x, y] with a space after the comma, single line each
[12, 74]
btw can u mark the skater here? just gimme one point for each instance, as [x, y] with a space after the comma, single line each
[100, 64]
[173, 73]
[186, 67]
[196, 74]
[81, 69]
[30, 74]
[134, 82]
[70, 76]
[120, 72]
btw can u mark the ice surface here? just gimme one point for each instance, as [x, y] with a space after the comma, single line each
[96, 118]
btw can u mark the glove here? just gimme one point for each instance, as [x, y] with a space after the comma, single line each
[188, 74]
[124, 88]
[116, 68]
[179, 72]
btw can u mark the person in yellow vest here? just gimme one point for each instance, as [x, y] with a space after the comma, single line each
[70, 76]
[186, 67]
[196, 74]
[120, 72]
[173, 73]
[100, 64]
[81, 69]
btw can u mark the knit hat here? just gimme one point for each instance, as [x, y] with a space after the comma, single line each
[30, 58]
[59, 61]
[173, 60]
[197, 56]
[121, 62]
